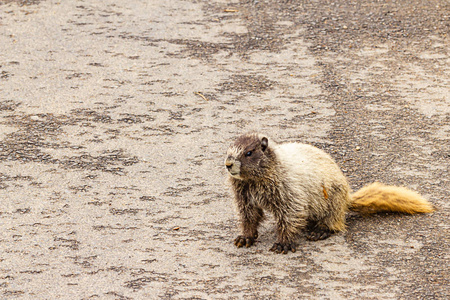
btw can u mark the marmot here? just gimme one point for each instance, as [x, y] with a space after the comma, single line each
[303, 188]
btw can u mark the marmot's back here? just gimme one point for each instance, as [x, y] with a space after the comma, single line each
[308, 163]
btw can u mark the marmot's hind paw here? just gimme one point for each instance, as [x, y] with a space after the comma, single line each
[246, 241]
[283, 247]
[318, 233]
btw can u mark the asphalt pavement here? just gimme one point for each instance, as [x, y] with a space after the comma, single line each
[115, 117]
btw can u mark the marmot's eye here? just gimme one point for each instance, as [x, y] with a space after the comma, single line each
[249, 153]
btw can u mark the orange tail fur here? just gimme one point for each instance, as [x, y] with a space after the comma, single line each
[377, 197]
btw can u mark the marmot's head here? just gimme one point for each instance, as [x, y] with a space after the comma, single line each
[249, 157]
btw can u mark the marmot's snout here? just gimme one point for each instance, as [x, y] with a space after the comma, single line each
[229, 162]
[233, 166]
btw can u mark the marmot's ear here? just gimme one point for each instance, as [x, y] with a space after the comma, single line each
[264, 143]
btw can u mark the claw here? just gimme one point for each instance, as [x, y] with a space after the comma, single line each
[318, 233]
[283, 248]
[244, 241]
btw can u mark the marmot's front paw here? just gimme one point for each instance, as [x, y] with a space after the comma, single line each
[283, 247]
[246, 241]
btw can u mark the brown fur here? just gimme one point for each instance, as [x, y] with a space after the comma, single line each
[304, 189]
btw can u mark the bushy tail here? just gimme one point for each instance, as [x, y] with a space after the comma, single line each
[378, 197]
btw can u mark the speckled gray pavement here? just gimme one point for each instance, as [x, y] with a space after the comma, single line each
[115, 117]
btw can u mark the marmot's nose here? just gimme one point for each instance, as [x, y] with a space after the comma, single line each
[229, 163]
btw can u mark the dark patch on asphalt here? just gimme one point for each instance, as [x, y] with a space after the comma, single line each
[21, 2]
[12, 179]
[108, 161]
[35, 134]
[247, 83]
[8, 105]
